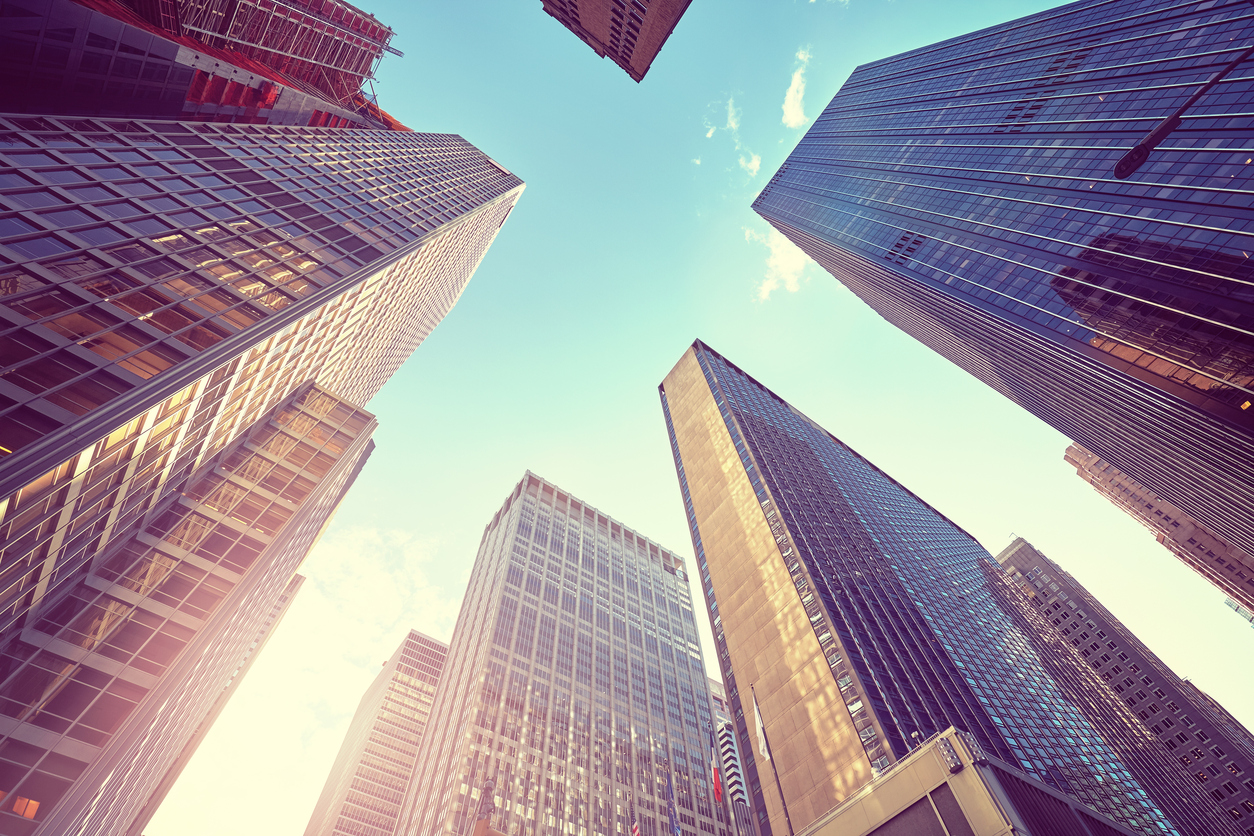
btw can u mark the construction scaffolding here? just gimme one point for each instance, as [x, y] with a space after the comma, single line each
[328, 44]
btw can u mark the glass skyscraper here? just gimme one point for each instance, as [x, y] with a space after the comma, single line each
[207, 268]
[966, 192]
[574, 682]
[860, 617]
[367, 783]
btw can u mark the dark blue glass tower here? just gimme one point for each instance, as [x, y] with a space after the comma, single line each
[966, 192]
[904, 611]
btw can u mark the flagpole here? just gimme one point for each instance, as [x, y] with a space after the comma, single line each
[762, 731]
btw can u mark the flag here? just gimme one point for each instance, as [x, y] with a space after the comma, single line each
[714, 771]
[635, 828]
[670, 807]
[763, 749]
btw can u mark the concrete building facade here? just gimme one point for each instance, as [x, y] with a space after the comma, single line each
[367, 783]
[629, 32]
[574, 682]
[1227, 566]
[1180, 727]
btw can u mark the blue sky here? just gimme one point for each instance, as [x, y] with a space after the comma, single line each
[634, 237]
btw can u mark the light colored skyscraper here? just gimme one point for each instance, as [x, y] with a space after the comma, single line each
[1227, 566]
[860, 617]
[574, 682]
[1195, 759]
[365, 789]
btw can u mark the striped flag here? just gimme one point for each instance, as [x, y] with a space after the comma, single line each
[714, 770]
[763, 749]
[635, 828]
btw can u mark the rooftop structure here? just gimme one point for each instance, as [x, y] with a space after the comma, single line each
[629, 32]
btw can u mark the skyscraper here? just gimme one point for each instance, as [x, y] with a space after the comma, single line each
[966, 192]
[629, 32]
[1226, 566]
[574, 682]
[363, 793]
[859, 616]
[193, 314]
[1174, 725]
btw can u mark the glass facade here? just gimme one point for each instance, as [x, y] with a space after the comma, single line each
[965, 191]
[1192, 761]
[101, 688]
[893, 594]
[574, 681]
[169, 290]
[139, 253]
[366, 787]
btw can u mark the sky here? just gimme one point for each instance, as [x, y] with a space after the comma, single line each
[633, 238]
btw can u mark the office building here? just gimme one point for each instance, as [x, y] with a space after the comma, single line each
[948, 786]
[1169, 725]
[1226, 566]
[193, 315]
[363, 793]
[112, 661]
[966, 192]
[629, 32]
[574, 682]
[860, 617]
[735, 797]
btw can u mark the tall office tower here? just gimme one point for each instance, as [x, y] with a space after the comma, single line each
[734, 794]
[170, 290]
[574, 682]
[630, 32]
[1171, 722]
[859, 615]
[1226, 566]
[965, 191]
[363, 793]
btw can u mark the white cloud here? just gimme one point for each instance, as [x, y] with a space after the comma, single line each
[785, 262]
[749, 162]
[696, 161]
[794, 106]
